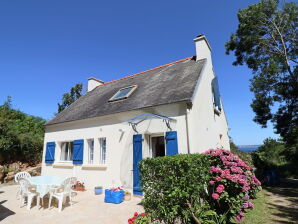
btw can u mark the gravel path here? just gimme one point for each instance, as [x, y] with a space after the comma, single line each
[283, 202]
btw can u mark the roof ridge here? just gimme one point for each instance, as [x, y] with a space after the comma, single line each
[126, 77]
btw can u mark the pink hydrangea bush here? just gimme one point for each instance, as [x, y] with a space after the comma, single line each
[232, 184]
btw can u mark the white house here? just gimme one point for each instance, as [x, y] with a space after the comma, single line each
[174, 108]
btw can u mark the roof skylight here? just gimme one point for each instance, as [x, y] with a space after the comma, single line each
[123, 93]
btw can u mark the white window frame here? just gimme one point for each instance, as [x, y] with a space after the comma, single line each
[91, 151]
[68, 154]
[102, 151]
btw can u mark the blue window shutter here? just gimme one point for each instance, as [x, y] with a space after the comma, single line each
[50, 152]
[216, 94]
[171, 143]
[137, 157]
[78, 151]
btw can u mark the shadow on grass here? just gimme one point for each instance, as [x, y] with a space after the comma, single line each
[4, 212]
[283, 201]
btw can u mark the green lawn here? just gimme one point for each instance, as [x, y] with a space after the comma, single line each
[261, 212]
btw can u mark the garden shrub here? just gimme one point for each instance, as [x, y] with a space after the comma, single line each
[174, 186]
[214, 187]
[232, 184]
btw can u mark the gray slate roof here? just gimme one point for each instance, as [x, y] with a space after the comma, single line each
[166, 84]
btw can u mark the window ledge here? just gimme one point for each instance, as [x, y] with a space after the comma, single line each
[94, 167]
[63, 165]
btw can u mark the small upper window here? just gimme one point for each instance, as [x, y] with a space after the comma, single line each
[123, 93]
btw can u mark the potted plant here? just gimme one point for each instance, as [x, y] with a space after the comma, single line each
[127, 195]
[98, 190]
[79, 186]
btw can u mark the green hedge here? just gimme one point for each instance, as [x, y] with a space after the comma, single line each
[175, 186]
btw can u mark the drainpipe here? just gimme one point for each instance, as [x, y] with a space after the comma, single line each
[187, 132]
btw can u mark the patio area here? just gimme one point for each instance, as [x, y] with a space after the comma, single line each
[87, 208]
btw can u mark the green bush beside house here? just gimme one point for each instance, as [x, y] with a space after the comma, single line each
[215, 187]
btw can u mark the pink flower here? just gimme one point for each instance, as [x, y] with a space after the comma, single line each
[220, 188]
[211, 182]
[215, 196]
[245, 205]
[217, 178]
[242, 214]
[238, 217]
[245, 189]
[246, 197]
[250, 205]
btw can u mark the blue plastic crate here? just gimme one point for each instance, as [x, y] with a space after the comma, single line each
[114, 197]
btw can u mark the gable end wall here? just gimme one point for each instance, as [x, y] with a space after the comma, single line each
[205, 127]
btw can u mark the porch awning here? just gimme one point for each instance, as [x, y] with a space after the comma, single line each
[138, 119]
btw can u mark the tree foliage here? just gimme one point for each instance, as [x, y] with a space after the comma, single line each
[21, 135]
[270, 154]
[68, 98]
[273, 155]
[266, 40]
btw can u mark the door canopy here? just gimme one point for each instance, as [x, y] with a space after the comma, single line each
[133, 122]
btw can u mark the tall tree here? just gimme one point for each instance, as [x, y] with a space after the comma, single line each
[68, 98]
[21, 135]
[266, 40]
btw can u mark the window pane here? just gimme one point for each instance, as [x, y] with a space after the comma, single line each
[70, 150]
[62, 155]
[102, 142]
[122, 93]
[66, 151]
[90, 151]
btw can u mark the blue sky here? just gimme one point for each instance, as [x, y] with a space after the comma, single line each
[46, 47]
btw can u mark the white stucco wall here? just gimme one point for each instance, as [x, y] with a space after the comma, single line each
[118, 169]
[206, 127]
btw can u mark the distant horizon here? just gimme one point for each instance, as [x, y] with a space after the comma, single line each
[248, 148]
[248, 145]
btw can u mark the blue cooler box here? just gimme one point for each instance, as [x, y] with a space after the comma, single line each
[114, 197]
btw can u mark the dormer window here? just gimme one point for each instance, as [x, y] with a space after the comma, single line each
[123, 93]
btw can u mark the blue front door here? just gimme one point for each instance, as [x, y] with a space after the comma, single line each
[137, 157]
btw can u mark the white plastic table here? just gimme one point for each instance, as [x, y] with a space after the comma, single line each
[44, 184]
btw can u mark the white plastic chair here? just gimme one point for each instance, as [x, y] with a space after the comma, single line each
[62, 192]
[26, 192]
[17, 177]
